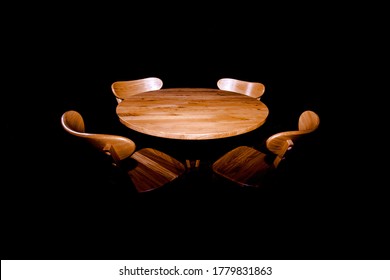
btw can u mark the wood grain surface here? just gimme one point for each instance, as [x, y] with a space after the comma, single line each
[192, 113]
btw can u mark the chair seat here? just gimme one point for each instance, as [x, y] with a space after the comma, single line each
[152, 168]
[244, 165]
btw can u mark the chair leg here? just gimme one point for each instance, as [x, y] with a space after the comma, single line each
[192, 164]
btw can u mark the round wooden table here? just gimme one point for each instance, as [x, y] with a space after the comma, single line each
[192, 113]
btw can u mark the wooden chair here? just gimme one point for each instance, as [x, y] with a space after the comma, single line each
[147, 168]
[247, 166]
[123, 89]
[253, 89]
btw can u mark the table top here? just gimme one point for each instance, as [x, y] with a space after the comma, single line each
[192, 113]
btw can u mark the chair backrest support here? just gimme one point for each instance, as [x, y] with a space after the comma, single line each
[282, 142]
[118, 147]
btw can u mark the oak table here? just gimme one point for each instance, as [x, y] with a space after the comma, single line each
[192, 113]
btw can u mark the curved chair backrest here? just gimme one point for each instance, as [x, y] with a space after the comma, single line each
[281, 142]
[253, 89]
[123, 89]
[118, 147]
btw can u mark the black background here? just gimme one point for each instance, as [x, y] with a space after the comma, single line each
[57, 204]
